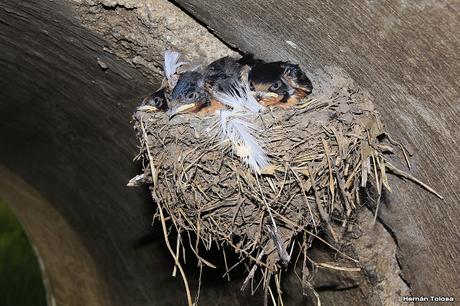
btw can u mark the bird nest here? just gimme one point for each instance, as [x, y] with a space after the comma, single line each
[321, 153]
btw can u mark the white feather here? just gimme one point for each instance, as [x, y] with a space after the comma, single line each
[172, 64]
[236, 127]
[239, 98]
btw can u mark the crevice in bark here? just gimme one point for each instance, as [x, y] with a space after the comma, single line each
[189, 12]
[395, 239]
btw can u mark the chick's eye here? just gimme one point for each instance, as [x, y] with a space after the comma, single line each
[276, 85]
[156, 100]
[192, 96]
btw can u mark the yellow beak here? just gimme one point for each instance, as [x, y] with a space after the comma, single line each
[270, 95]
[147, 108]
[181, 109]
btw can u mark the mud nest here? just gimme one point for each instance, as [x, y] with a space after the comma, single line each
[321, 154]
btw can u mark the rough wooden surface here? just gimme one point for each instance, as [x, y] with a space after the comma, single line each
[69, 272]
[406, 54]
[65, 131]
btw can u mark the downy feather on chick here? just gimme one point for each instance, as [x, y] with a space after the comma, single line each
[171, 66]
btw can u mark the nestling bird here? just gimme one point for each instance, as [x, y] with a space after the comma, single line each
[296, 78]
[155, 102]
[189, 95]
[224, 74]
[278, 83]
[195, 91]
[158, 101]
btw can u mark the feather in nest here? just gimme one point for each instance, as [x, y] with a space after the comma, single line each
[237, 126]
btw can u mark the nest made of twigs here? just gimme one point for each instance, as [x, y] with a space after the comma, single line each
[321, 153]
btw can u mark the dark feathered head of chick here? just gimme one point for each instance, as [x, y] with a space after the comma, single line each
[266, 81]
[296, 78]
[189, 95]
[155, 102]
[277, 82]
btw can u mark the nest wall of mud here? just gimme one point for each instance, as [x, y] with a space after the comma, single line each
[322, 153]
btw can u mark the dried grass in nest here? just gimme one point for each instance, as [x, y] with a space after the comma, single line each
[321, 153]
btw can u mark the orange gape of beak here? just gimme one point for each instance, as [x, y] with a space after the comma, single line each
[197, 108]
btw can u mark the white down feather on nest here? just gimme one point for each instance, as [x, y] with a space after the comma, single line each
[237, 126]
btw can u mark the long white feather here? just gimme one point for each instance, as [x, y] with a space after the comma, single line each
[245, 144]
[171, 64]
[237, 128]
